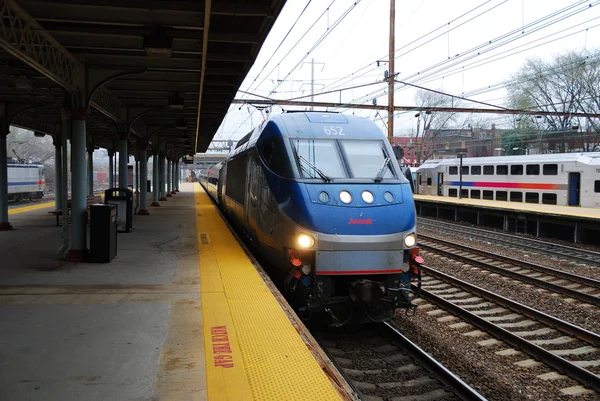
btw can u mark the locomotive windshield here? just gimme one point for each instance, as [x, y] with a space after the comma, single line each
[367, 159]
[318, 158]
[325, 159]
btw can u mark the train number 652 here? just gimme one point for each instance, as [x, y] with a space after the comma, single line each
[333, 130]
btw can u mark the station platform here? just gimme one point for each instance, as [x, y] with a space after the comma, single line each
[575, 224]
[181, 313]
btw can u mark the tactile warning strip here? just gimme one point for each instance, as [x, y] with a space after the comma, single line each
[245, 328]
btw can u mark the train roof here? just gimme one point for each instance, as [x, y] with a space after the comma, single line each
[591, 158]
[313, 124]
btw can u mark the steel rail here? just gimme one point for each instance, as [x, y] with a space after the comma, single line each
[583, 376]
[530, 244]
[443, 374]
[534, 314]
[517, 262]
[521, 277]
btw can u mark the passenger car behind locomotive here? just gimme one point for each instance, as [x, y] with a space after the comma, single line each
[321, 197]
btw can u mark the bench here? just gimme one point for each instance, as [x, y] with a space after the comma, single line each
[90, 200]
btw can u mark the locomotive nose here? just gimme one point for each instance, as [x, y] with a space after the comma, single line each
[366, 291]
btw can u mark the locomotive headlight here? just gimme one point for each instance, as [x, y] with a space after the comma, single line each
[345, 197]
[306, 241]
[367, 197]
[410, 240]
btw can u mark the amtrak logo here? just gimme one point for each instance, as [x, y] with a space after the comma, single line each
[360, 221]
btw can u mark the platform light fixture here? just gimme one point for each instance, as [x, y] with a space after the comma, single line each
[158, 44]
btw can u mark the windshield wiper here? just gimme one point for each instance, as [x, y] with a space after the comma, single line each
[324, 176]
[385, 165]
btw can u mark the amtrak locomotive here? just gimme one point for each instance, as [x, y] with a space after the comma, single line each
[322, 198]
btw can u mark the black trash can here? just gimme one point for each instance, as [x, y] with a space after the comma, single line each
[123, 198]
[103, 233]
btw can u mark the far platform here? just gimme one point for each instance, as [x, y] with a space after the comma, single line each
[180, 314]
[568, 223]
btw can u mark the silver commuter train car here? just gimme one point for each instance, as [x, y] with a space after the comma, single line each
[565, 179]
[25, 180]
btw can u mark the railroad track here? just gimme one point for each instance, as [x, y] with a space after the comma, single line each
[509, 241]
[378, 361]
[578, 287]
[567, 348]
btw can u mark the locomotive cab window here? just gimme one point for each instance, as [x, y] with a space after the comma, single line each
[596, 186]
[488, 170]
[533, 169]
[475, 170]
[550, 169]
[316, 158]
[502, 169]
[367, 159]
[516, 169]
[453, 170]
[274, 155]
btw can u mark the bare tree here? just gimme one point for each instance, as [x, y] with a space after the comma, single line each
[430, 123]
[568, 83]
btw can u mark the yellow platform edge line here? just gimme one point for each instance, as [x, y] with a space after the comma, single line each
[568, 211]
[277, 363]
[30, 208]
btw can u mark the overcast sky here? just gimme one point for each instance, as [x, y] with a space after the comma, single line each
[435, 48]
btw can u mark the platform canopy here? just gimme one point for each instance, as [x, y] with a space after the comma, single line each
[142, 66]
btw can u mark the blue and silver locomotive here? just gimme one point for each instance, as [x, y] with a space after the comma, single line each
[321, 196]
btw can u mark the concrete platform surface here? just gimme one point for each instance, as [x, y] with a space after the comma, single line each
[129, 330]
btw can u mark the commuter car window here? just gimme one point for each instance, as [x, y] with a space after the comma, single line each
[320, 153]
[516, 196]
[488, 195]
[532, 197]
[475, 170]
[475, 193]
[465, 170]
[550, 169]
[533, 169]
[501, 195]
[452, 192]
[516, 169]
[549, 199]
[596, 186]
[502, 169]
[365, 158]
[453, 170]
[488, 170]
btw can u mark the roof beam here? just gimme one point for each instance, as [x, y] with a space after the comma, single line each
[25, 39]
[121, 14]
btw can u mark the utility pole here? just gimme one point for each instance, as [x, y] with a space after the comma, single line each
[391, 74]
[312, 81]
